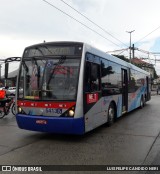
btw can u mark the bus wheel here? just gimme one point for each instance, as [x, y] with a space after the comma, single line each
[13, 109]
[142, 102]
[111, 114]
[2, 114]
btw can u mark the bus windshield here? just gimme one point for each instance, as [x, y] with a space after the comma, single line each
[53, 78]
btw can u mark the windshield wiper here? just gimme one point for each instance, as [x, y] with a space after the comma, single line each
[44, 67]
[37, 69]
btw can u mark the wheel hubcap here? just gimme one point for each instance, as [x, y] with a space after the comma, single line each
[141, 102]
[111, 114]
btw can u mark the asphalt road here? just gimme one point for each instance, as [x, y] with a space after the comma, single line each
[133, 140]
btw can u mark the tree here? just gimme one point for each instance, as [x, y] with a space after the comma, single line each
[122, 57]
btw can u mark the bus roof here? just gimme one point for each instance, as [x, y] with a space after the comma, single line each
[56, 43]
[95, 51]
[112, 58]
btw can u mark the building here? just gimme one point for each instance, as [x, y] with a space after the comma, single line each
[145, 66]
[149, 68]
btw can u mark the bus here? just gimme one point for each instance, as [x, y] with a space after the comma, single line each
[72, 88]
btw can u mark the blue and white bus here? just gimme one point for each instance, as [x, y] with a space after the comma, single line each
[72, 88]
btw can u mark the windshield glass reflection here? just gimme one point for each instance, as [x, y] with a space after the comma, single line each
[49, 79]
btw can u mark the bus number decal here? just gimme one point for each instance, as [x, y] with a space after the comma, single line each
[55, 111]
[92, 98]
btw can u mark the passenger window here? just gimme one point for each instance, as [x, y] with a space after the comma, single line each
[111, 78]
[132, 82]
[92, 77]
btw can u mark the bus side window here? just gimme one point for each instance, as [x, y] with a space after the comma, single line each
[132, 82]
[92, 77]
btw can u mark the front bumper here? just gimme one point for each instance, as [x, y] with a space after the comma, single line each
[62, 125]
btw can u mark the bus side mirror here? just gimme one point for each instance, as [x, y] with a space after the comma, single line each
[6, 70]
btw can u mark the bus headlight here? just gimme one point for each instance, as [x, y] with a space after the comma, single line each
[71, 113]
[19, 109]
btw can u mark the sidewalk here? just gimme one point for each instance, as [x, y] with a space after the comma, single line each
[154, 93]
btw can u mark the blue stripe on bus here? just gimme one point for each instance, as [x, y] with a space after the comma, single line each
[119, 106]
[60, 125]
[136, 102]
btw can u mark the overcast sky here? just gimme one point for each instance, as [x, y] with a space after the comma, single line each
[27, 22]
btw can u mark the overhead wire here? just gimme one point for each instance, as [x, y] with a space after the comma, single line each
[79, 22]
[147, 35]
[147, 52]
[149, 59]
[97, 26]
[117, 50]
[93, 22]
[124, 51]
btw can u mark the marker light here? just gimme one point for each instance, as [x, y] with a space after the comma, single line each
[71, 113]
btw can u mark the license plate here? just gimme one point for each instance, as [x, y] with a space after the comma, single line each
[54, 111]
[41, 122]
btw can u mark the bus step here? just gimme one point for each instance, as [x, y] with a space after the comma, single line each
[123, 112]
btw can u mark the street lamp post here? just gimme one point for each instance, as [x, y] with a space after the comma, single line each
[130, 32]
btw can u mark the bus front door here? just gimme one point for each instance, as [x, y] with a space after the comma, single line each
[124, 91]
[92, 97]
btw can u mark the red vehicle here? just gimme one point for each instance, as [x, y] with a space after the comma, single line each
[6, 104]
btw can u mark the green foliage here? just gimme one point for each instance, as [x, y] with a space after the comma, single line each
[121, 57]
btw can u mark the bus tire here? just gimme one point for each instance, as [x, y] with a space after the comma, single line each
[142, 102]
[111, 114]
[2, 114]
[13, 109]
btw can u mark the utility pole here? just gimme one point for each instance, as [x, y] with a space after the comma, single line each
[133, 50]
[130, 32]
